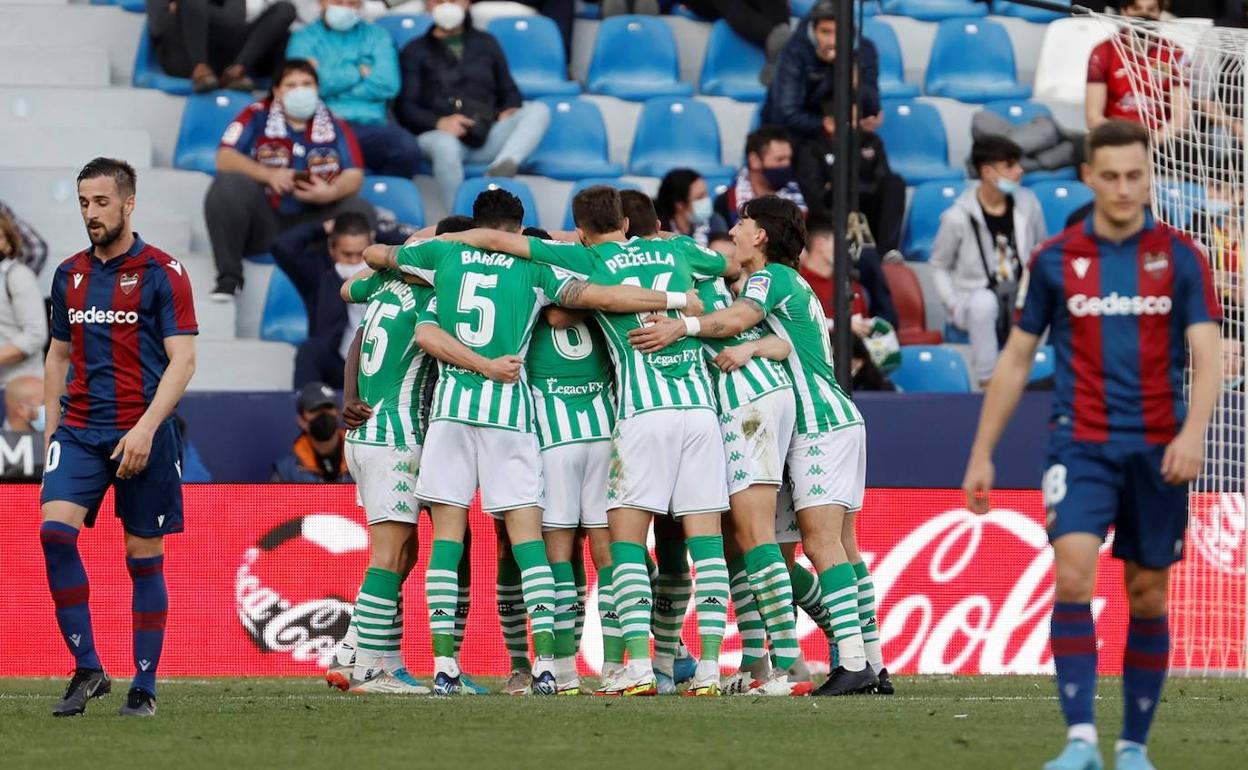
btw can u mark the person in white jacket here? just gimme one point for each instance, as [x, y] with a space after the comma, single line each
[23, 320]
[979, 257]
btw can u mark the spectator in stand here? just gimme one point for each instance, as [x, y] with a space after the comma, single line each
[219, 43]
[317, 456]
[765, 22]
[621, 7]
[866, 375]
[978, 255]
[871, 293]
[881, 193]
[23, 317]
[563, 12]
[803, 79]
[460, 101]
[358, 69]
[284, 161]
[684, 204]
[1109, 92]
[768, 171]
[23, 405]
[30, 246]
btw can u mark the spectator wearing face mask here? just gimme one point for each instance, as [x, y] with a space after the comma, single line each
[358, 68]
[23, 405]
[684, 204]
[284, 161]
[316, 456]
[23, 319]
[768, 171]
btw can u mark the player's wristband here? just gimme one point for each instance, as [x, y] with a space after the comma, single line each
[693, 326]
[677, 300]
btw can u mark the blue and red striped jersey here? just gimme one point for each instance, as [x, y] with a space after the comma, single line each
[115, 315]
[1117, 315]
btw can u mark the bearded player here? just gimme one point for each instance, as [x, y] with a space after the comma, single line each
[1120, 294]
[122, 353]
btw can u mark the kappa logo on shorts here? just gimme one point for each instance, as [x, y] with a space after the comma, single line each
[402, 486]
[724, 419]
[735, 457]
[740, 476]
[815, 470]
[401, 467]
[814, 451]
[402, 507]
[818, 490]
[731, 437]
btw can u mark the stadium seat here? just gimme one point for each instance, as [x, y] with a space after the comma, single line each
[907, 293]
[929, 201]
[935, 10]
[931, 369]
[404, 28]
[732, 65]
[619, 184]
[914, 136]
[285, 318]
[676, 133]
[575, 144]
[1062, 69]
[1018, 111]
[534, 51]
[133, 6]
[1177, 202]
[973, 61]
[800, 8]
[397, 194]
[1058, 200]
[471, 188]
[682, 10]
[956, 336]
[147, 71]
[893, 83]
[1027, 12]
[1043, 365]
[635, 58]
[203, 121]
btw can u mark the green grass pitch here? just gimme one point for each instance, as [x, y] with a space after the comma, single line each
[934, 722]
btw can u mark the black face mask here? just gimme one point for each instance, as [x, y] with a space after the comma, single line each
[323, 426]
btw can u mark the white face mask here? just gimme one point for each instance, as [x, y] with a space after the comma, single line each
[346, 270]
[448, 16]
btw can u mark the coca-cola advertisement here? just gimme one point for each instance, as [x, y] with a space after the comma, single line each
[261, 582]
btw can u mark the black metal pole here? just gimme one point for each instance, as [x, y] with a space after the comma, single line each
[842, 184]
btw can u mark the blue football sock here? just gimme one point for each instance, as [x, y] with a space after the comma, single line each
[70, 591]
[1073, 638]
[1144, 665]
[151, 606]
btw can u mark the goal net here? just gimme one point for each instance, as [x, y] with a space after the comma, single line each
[1188, 82]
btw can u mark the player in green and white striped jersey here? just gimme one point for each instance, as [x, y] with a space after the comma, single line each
[667, 449]
[490, 301]
[827, 456]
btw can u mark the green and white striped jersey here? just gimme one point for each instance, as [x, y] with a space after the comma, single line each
[393, 370]
[489, 302]
[794, 313]
[570, 376]
[675, 377]
[754, 380]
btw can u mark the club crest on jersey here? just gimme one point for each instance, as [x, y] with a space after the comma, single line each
[128, 281]
[1155, 264]
[1081, 265]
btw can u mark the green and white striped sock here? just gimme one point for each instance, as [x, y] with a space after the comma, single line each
[565, 609]
[582, 594]
[673, 587]
[866, 616]
[393, 659]
[612, 633]
[769, 580]
[840, 596]
[633, 599]
[710, 592]
[749, 620]
[374, 614]
[538, 585]
[463, 601]
[808, 596]
[511, 615]
[441, 594]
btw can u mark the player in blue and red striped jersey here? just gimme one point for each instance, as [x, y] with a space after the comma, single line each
[1120, 294]
[122, 353]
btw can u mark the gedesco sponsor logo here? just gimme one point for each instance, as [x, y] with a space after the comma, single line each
[94, 315]
[1081, 305]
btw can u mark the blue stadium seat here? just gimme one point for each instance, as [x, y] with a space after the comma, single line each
[955, 336]
[1018, 111]
[931, 369]
[935, 10]
[635, 58]
[929, 202]
[1058, 199]
[575, 144]
[732, 65]
[397, 194]
[1043, 365]
[103, 2]
[204, 119]
[1028, 13]
[471, 188]
[147, 71]
[973, 61]
[676, 133]
[618, 184]
[133, 6]
[800, 8]
[682, 10]
[285, 318]
[893, 83]
[404, 28]
[534, 51]
[1177, 202]
[914, 136]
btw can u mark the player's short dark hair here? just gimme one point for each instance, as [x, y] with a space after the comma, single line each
[498, 209]
[1114, 133]
[598, 209]
[455, 223]
[782, 220]
[119, 171]
[993, 148]
[294, 65]
[760, 138]
[639, 210]
[350, 223]
[535, 232]
[672, 190]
